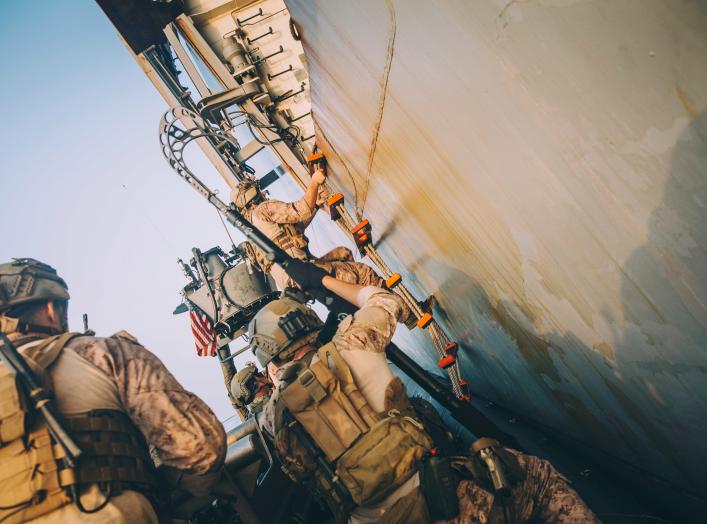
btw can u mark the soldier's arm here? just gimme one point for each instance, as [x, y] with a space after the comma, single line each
[188, 438]
[346, 290]
[278, 212]
[296, 212]
[311, 195]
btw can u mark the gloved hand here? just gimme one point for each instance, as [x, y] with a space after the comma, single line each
[307, 275]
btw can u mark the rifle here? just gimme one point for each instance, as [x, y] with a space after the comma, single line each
[40, 398]
[337, 486]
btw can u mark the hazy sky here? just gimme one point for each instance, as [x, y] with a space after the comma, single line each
[84, 185]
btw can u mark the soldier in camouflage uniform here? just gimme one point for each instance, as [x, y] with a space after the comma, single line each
[96, 379]
[284, 223]
[543, 495]
[251, 388]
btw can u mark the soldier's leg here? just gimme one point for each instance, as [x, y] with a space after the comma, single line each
[356, 273]
[340, 253]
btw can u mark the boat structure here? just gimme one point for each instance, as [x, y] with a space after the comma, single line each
[538, 167]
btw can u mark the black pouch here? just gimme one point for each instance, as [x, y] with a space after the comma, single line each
[439, 484]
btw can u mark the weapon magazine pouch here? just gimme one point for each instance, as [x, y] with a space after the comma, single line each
[315, 398]
[439, 484]
[14, 414]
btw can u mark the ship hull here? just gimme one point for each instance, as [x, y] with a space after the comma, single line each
[541, 167]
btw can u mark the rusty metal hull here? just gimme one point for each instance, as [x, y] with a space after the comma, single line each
[541, 167]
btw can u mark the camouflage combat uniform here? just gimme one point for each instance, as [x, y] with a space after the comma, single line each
[270, 217]
[117, 373]
[361, 339]
[545, 495]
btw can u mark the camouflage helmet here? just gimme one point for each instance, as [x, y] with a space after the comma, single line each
[247, 193]
[244, 383]
[27, 280]
[281, 328]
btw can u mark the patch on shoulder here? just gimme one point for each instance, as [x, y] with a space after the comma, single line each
[125, 336]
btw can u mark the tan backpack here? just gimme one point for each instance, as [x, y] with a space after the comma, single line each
[373, 454]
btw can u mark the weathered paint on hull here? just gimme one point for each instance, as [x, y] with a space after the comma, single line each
[541, 167]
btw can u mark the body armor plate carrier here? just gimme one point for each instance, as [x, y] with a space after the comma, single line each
[33, 478]
[372, 453]
[289, 237]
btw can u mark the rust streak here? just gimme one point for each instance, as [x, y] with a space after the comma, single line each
[686, 102]
[381, 103]
[318, 129]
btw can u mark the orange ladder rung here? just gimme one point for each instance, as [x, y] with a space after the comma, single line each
[362, 235]
[393, 280]
[424, 320]
[334, 201]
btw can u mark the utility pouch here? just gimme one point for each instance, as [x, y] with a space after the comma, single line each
[383, 459]
[439, 485]
[14, 414]
[315, 399]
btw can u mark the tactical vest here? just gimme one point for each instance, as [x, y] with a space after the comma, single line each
[372, 453]
[288, 237]
[34, 480]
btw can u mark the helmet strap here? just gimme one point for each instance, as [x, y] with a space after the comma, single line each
[11, 325]
[8, 324]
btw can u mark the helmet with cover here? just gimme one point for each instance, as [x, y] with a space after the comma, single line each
[24, 281]
[247, 194]
[244, 383]
[27, 280]
[281, 328]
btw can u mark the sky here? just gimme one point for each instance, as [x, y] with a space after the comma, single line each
[85, 188]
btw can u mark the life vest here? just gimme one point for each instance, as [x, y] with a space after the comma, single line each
[371, 454]
[34, 480]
